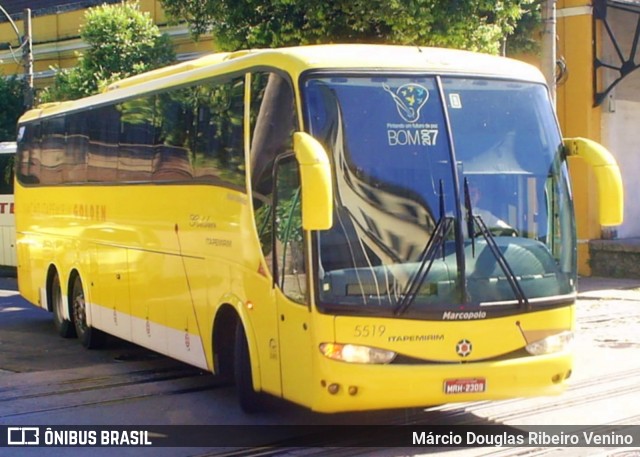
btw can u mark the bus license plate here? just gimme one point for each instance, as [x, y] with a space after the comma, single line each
[465, 386]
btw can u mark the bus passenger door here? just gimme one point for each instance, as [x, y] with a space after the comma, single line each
[290, 264]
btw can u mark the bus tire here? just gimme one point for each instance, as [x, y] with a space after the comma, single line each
[224, 333]
[91, 338]
[63, 326]
[250, 400]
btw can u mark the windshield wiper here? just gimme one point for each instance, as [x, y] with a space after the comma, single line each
[427, 256]
[469, 216]
[472, 221]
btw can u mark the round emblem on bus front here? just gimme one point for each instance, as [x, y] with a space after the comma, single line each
[463, 348]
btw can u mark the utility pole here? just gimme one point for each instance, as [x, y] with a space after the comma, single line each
[549, 46]
[27, 57]
[26, 43]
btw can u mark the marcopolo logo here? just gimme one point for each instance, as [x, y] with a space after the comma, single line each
[463, 315]
[23, 436]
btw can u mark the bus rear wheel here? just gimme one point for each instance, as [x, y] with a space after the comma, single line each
[250, 400]
[90, 337]
[64, 326]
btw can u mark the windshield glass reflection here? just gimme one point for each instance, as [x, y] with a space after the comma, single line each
[396, 177]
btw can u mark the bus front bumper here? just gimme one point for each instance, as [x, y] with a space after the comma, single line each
[357, 387]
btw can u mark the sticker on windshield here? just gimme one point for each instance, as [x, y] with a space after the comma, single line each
[454, 101]
[409, 99]
[412, 134]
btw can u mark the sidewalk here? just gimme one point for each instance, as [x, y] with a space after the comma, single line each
[587, 284]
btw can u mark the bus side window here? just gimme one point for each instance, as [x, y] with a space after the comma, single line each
[103, 125]
[217, 131]
[28, 156]
[53, 149]
[136, 139]
[77, 145]
[289, 244]
[272, 117]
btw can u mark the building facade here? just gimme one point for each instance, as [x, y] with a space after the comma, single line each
[599, 98]
[56, 38]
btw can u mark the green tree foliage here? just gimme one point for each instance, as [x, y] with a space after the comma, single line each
[123, 41]
[11, 106]
[526, 38]
[470, 24]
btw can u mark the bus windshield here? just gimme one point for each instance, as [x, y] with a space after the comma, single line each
[452, 191]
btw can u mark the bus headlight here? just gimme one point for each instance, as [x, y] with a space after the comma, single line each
[356, 354]
[554, 343]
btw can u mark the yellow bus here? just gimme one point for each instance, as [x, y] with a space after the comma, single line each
[347, 227]
[7, 218]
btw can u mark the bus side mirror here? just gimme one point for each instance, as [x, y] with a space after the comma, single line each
[316, 183]
[609, 181]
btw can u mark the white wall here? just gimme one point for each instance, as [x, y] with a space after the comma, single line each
[621, 122]
[621, 135]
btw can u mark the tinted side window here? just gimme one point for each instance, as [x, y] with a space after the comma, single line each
[219, 128]
[103, 129]
[52, 150]
[273, 122]
[28, 155]
[204, 124]
[136, 149]
[289, 240]
[77, 148]
[188, 134]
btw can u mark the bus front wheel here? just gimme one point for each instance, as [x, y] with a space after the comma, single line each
[90, 337]
[64, 326]
[250, 400]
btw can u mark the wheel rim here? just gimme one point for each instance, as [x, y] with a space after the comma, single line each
[79, 307]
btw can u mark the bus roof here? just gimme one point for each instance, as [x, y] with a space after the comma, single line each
[357, 56]
[296, 60]
[389, 57]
